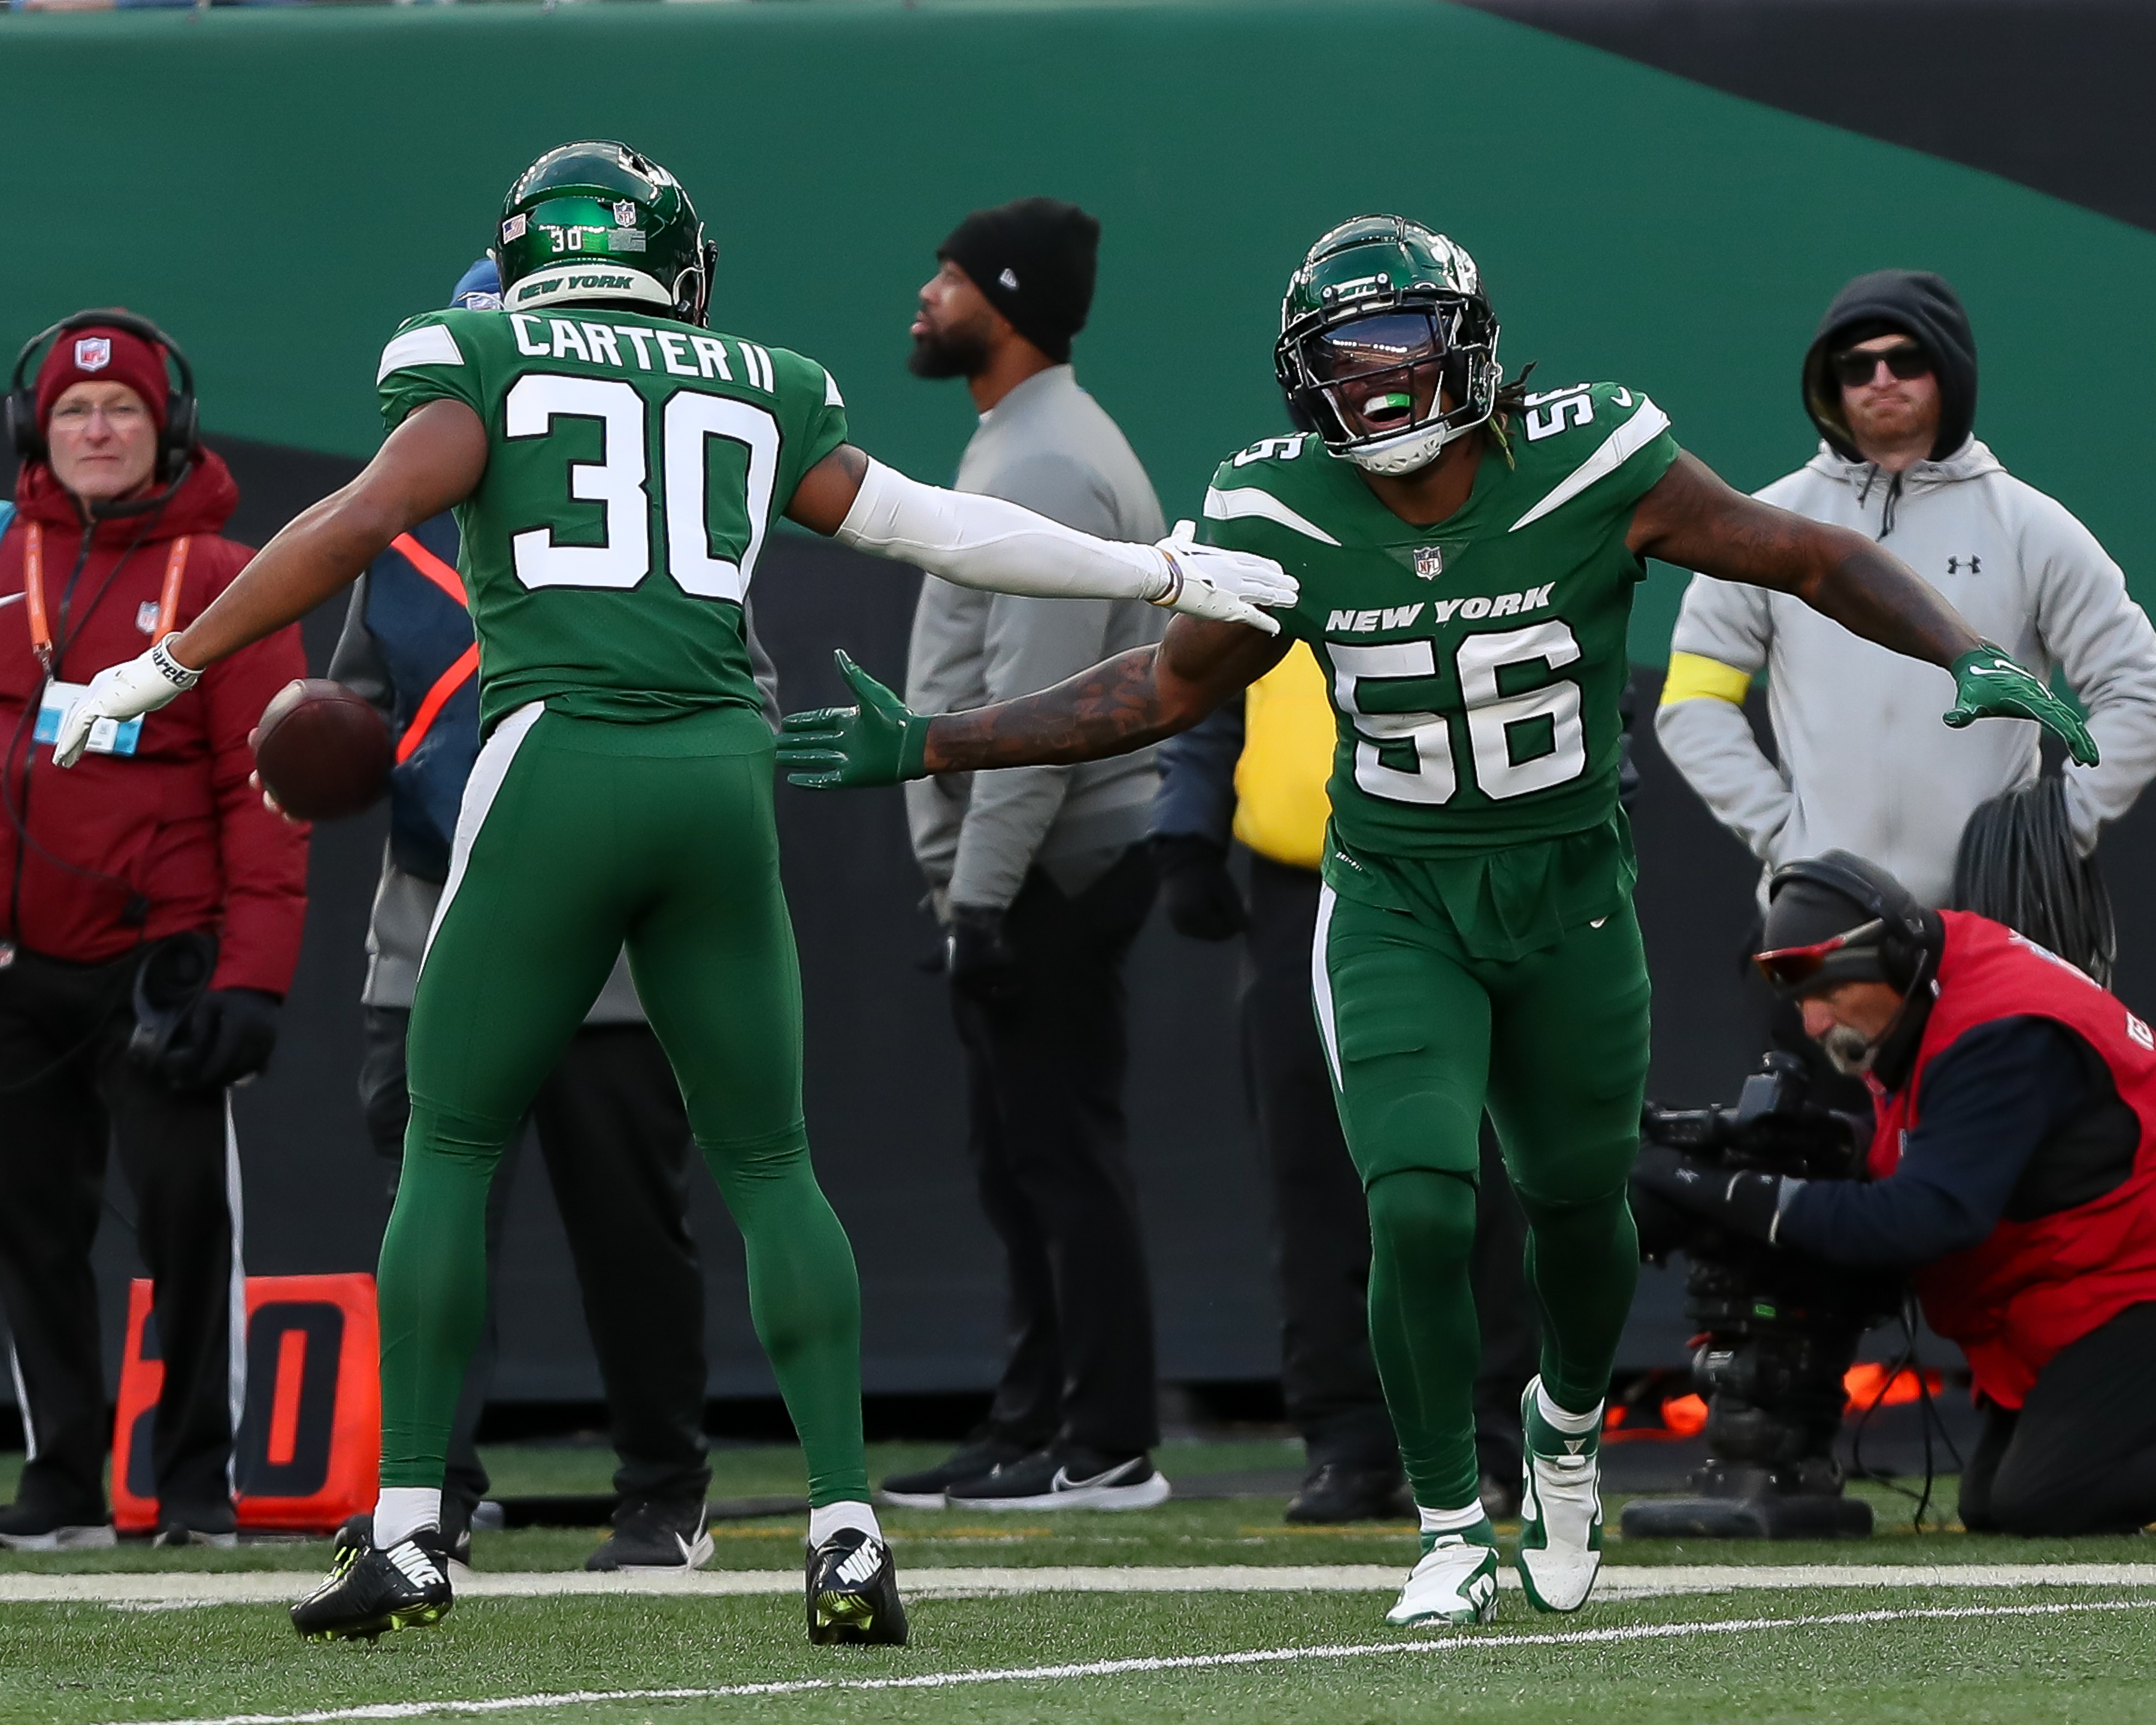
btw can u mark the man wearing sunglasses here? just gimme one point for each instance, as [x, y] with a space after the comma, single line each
[2012, 1169]
[1891, 383]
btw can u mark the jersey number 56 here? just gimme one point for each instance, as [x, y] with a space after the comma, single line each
[1493, 718]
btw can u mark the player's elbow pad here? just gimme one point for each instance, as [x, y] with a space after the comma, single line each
[1000, 547]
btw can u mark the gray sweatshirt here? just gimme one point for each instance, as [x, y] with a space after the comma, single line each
[1049, 446]
[1866, 764]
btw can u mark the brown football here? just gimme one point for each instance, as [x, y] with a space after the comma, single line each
[322, 751]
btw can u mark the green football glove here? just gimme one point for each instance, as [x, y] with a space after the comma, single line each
[1987, 685]
[877, 742]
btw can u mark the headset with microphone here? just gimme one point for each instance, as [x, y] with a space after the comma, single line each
[178, 443]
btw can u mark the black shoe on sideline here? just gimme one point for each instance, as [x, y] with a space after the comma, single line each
[1336, 1491]
[370, 1591]
[853, 1593]
[1066, 1476]
[649, 1534]
[927, 1487]
[32, 1526]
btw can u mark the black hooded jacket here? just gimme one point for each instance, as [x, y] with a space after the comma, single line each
[1919, 304]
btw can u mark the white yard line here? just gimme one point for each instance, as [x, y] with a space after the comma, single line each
[1465, 1642]
[261, 1586]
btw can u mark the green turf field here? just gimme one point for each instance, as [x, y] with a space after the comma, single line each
[1897, 1654]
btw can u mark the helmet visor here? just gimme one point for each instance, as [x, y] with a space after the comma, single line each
[1380, 374]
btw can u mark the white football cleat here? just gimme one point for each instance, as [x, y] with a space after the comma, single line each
[1455, 1583]
[1560, 1511]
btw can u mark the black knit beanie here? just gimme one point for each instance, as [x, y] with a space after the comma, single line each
[1034, 260]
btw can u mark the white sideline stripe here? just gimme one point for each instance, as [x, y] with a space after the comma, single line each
[268, 1587]
[1467, 1641]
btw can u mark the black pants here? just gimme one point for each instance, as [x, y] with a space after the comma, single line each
[1321, 1227]
[615, 1139]
[1052, 1156]
[2079, 1455]
[69, 1097]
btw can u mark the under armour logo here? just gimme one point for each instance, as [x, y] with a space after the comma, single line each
[1975, 565]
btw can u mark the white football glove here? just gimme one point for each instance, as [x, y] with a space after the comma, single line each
[122, 692]
[1222, 586]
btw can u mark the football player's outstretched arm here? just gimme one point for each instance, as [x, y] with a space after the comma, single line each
[1692, 519]
[433, 459]
[988, 543]
[1123, 703]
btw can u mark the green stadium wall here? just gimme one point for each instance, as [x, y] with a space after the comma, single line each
[281, 188]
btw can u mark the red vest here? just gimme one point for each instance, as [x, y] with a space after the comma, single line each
[2033, 1288]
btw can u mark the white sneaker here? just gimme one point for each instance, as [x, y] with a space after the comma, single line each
[1455, 1583]
[1560, 1511]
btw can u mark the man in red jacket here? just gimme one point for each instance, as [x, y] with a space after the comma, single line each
[2013, 1169]
[149, 913]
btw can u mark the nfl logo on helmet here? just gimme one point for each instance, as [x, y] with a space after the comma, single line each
[93, 353]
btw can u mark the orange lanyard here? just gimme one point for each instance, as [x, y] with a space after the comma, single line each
[34, 591]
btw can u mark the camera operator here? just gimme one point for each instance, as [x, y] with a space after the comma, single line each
[149, 928]
[2011, 1170]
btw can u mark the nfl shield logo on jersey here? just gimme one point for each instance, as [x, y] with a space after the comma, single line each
[93, 353]
[1429, 560]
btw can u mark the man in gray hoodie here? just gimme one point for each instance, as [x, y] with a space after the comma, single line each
[1865, 766]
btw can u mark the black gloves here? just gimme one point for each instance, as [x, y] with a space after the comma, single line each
[981, 963]
[227, 1036]
[1197, 889]
[1746, 1202]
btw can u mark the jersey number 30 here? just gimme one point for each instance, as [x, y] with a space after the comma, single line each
[1492, 718]
[617, 483]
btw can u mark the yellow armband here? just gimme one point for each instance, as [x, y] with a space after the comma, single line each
[1694, 675]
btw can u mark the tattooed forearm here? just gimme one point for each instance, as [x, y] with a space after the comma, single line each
[1690, 518]
[1110, 709]
[1873, 593]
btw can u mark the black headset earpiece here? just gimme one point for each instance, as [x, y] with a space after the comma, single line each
[177, 443]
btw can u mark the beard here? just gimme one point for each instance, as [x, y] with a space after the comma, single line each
[948, 353]
[1847, 1051]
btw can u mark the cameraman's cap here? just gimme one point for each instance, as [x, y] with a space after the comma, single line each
[1034, 260]
[98, 353]
[1817, 938]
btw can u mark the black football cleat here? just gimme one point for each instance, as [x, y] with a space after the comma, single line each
[853, 1593]
[370, 1591]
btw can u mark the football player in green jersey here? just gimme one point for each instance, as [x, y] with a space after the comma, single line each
[1467, 553]
[616, 470]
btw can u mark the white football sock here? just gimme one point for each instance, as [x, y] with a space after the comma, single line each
[1449, 1520]
[402, 1510]
[823, 1522]
[1570, 1424]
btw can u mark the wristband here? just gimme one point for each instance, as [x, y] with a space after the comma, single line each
[170, 669]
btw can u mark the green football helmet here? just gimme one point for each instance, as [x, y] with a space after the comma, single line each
[1384, 322]
[595, 221]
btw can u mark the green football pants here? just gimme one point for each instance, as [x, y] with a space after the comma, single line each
[576, 838]
[1422, 1039]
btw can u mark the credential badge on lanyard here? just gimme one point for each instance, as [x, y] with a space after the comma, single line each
[108, 737]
